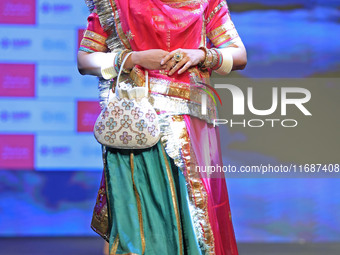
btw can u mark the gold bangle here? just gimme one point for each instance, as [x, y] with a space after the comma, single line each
[214, 58]
[120, 59]
[201, 64]
[208, 59]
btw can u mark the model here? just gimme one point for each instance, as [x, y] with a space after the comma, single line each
[152, 201]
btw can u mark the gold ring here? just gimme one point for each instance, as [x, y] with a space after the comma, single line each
[178, 56]
[164, 72]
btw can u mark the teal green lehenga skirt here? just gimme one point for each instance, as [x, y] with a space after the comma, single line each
[147, 202]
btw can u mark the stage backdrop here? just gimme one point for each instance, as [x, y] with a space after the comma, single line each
[50, 163]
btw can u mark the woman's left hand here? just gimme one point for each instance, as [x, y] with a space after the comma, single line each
[185, 59]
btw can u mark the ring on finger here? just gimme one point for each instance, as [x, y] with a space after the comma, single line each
[178, 56]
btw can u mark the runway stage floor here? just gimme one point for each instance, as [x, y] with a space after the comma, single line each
[94, 246]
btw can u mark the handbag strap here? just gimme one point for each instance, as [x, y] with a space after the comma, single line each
[120, 72]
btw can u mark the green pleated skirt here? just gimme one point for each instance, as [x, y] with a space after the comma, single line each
[148, 206]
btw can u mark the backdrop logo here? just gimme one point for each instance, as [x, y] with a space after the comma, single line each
[56, 8]
[87, 113]
[55, 80]
[54, 150]
[54, 44]
[17, 80]
[17, 11]
[54, 116]
[240, 102]
[14, 116]
[15, 43]
[17, 152]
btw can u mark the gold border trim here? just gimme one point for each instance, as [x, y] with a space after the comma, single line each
[174, 201]
[197, 193]
[85, 42]
[94, 36]
[217, 31]
[170, 88]
[115, 245]
[216, 9]
[118, 24]
[139, 206]
[224, 38]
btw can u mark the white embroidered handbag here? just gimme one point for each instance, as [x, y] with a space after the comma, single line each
[128, 120]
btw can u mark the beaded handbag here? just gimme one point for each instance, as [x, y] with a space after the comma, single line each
[128, 120]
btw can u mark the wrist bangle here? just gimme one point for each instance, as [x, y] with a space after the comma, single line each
[121, 56]
[107, 69]
[201, 64]
[211, 60]
[116, 63]
[218, 59]
[214, 58]
[208, 59]
[227, 63]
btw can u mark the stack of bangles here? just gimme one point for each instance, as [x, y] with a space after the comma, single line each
[111, 63]
[218, 60]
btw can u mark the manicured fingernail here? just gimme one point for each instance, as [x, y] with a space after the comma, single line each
[162, 62]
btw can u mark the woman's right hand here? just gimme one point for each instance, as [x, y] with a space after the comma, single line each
[90, 63]
[149, 59]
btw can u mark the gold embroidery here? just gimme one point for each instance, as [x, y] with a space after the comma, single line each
[129, 35]
[100, 223]
[182, 3]
[118, 24]
[223, 33]
[174, 201]
[139, 207]
[115, 245]
[203, 34]
[157, 18]
[167, 87]
[93, 45]
[173, 105]
[94, 36]
[130, 253]
[216, 9]
[200, 196]
[221, 39]
[196, 190]
[177, 97]
[197, 11]
[218, 31]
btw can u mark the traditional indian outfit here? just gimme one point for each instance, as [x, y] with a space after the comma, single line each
[152, 201]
